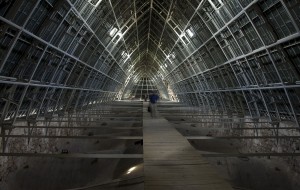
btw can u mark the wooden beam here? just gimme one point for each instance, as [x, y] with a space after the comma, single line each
[76, 137]
[77, 128]
[245, 155]
[239, 137]
[195, 122]
[240, 128]
[99, 121]
[73, 155]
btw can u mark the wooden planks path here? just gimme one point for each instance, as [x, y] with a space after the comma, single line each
[171, 163]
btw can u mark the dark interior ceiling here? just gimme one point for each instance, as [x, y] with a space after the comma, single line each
[234, 55]
[64, 62]
[152, 29]
[148, 33]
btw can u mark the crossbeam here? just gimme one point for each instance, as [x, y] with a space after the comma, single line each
[99, 121]
[74, 155]
[245, 155]
[78, 128]
[85, 116]
[75, 137]
[195, 122]
[245, 128]
[239, 137]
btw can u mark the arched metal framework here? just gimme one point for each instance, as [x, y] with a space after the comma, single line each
[233, 56]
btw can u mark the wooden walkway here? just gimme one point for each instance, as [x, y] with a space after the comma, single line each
[171, 163]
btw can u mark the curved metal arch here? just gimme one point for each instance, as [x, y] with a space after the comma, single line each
[214, 52]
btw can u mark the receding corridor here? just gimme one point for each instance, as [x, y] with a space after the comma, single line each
[170, 162]
[77, 76]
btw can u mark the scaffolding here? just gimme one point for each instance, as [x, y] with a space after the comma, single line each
[59, 58]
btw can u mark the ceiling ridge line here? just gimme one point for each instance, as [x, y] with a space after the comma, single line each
[134, 62]
[165, 24]
[151, 9]
[137, 32]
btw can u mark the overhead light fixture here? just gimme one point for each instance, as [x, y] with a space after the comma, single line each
[173, 55]
[216, 3]
[190, 33]
[124, 54]
[113, 32]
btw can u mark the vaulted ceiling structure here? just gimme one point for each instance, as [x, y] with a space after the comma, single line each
[237, 56]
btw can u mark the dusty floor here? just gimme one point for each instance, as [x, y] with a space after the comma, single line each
[255, 173]
[33, 173]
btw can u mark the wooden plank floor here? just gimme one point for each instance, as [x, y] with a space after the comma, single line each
[171, 163]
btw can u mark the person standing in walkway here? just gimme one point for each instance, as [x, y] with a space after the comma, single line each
[153, 98]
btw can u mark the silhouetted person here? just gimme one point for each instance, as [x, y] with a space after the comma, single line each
[153, 98]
